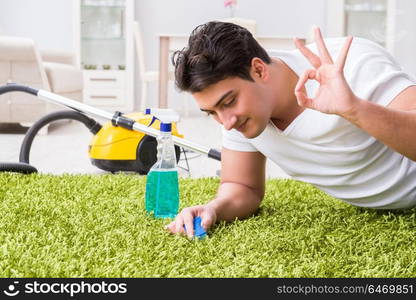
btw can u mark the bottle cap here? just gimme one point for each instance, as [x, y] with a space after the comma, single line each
[199, 231]
[165, 127]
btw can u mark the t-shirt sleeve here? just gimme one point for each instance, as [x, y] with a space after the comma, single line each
[233, 140]
[374, 74]
[390, 86]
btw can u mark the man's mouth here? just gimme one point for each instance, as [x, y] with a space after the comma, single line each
[241, 127]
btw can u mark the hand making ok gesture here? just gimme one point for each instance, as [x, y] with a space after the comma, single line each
[333, 96]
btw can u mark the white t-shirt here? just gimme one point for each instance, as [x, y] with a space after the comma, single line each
[330, 152]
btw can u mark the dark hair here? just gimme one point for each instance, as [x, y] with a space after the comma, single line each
[216, 51]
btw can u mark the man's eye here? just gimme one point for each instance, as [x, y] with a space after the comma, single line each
[210, 113]
[229, 103]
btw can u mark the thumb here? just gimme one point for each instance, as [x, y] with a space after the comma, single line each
[207, 220]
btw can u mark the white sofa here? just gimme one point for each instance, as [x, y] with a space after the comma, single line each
[22, 63]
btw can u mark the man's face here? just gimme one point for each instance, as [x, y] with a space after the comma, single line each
[237, 104]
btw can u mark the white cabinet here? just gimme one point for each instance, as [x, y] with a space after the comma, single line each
[105, 88]
[106, 52]
[361, 18]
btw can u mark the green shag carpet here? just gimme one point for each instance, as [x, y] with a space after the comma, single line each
[96, 226]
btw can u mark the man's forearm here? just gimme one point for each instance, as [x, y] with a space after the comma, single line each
[394, 128]
[235, 201]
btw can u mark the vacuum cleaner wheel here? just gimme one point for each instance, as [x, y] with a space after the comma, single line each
[146, 155]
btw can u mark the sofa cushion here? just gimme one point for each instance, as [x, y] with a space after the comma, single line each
[57, 56]
[17, 49]
[63, 78]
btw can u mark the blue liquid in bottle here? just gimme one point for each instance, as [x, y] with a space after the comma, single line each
[162, 193]
[162, 186]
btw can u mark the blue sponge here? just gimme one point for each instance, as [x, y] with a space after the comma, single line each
[199, 231]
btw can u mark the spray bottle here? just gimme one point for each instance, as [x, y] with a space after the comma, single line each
[162, 187]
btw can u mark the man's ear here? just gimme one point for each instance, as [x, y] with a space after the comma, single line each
[258, 69]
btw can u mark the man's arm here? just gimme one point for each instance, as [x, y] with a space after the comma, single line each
[239, 195]
[394, 125]
[242, 185]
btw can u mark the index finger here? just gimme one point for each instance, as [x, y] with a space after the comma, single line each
[342, 57]
[177, 226]
[189, 225]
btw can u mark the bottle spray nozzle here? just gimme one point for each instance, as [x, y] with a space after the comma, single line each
[166, 116]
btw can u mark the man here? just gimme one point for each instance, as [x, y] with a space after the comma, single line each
[346, 126]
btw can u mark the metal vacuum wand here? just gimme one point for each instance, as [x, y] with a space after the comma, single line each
[118, 119]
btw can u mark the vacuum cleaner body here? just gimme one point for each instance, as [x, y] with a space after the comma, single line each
[114, 148]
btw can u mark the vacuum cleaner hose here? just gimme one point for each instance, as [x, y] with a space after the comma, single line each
[24, 166]
[17, 167]
[91, 124]
[13, 87]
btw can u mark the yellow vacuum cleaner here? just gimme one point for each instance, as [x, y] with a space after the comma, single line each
[125, 143]
[118, 149]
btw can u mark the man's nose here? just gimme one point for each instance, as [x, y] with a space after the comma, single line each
[228, 121]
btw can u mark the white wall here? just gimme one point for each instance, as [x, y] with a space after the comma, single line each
[404, 33]
[48, 22]
[274, 17]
